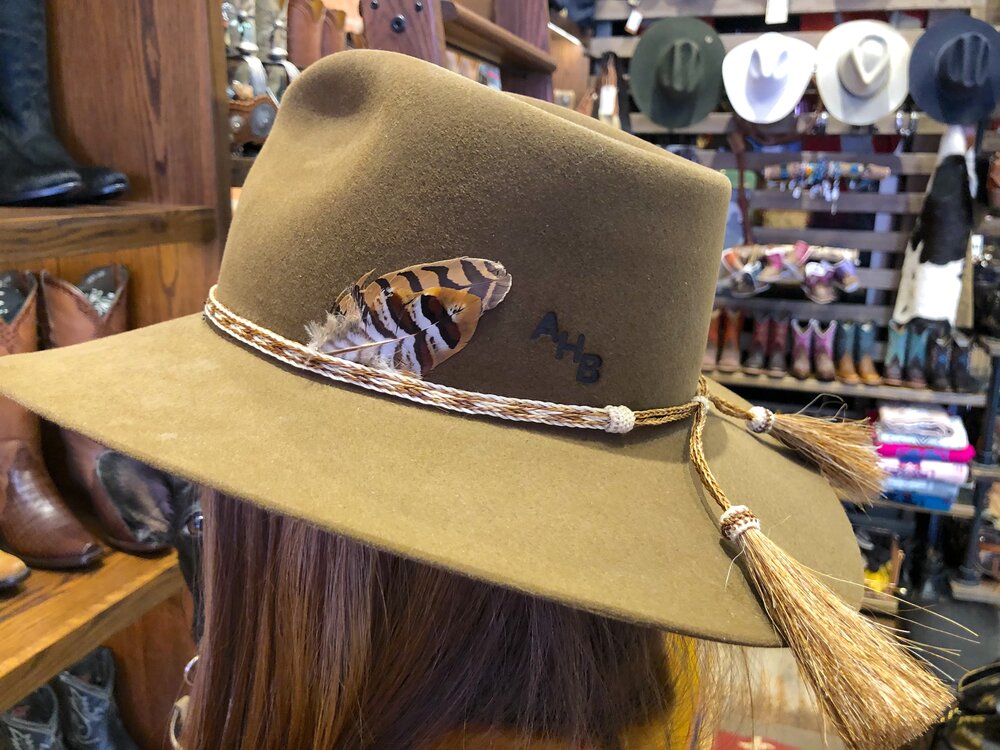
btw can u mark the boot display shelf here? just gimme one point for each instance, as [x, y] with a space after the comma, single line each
[60, 617]
[31, 234]
[882, 241]
[141, 87]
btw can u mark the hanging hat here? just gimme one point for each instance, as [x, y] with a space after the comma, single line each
[955, 70]
[428, 336]
[861, 71]
[676, 71]
[766, 77]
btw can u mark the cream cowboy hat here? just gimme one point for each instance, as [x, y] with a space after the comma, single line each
[861, 71]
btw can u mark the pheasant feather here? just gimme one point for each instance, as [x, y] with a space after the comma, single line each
[414, 319]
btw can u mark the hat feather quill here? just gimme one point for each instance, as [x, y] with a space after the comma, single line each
[413, 319]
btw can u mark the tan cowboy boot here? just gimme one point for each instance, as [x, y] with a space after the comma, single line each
[35, 523]
[305, 32]
[12, 571]
[74, 314]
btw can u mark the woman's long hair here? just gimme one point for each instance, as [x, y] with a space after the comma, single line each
[316, 642]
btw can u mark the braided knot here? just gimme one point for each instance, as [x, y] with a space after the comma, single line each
[736, 521]
[621, 419]
[761, 420]
[704, 402]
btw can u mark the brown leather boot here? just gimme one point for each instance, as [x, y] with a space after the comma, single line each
[35, 523]
[777, 349]
[711, 356]
[802, 335]
[305, 32]
[12, 571]
[96, 308]
[729, 359]
[823, 350]
[757, 355]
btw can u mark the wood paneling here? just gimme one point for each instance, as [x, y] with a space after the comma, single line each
[811, 385]
[527, 20]
[28, 234]
[59, 617]
[493, 41]
[422, 34]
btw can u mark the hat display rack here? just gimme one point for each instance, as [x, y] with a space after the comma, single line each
[780, 183]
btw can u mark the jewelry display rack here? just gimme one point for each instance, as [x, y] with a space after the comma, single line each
[880, 275]
[139, 86]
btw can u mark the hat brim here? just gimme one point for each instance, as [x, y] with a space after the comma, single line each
[617, 525]
[929, 96]
[676, 112]
[736, 77]
[841, 103]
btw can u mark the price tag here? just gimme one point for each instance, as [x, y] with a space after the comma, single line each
[607, 101]
[634, 21]
[776, 11]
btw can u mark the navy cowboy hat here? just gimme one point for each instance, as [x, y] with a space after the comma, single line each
[955, 70]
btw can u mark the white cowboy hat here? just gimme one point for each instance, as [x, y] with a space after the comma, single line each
[862, 73]
[766, 77]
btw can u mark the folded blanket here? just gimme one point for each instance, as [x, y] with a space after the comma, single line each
[929, 487]
[957, 440]
[941, 471]
[923, 421]
[926, 453]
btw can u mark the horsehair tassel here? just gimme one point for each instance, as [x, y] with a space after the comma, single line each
[841, 449]
[874, 691]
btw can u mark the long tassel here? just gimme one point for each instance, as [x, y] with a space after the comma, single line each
[872, 689]
[842, 450]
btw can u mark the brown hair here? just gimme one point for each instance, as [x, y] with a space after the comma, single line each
[316, 642]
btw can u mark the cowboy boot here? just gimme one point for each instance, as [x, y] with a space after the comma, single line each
[12, 571]
[729, 359]
[823, 350]
[777, 349]
[866, 354]
[305, 32]
[916, 357]
[90, 717]
[939, 363]
[25, 111]
[21, 182]
[74, 314]
[895, 353]
[334, 38]
[755, 360]
[844, 344]
[961, 359]
[801, 350]
[33, 723]
[35, 523]
[711, 356]
[818, 283]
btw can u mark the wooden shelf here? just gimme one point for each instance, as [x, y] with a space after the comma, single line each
[879, 603]
[29, 234]
[618, 10]
[884, 392]
[718, 123]
[855, 239]
[469, 31]
[805, 308]
[56, 618]
[985, 473]
[957, 509]
[985, 591]
[900, 164]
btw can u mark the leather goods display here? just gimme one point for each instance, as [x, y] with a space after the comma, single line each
[35, 523]
[26, 115]
[95, 308]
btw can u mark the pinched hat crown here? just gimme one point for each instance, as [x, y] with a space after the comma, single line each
[613, 243]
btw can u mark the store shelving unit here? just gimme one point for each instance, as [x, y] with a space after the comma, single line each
[139, 86]
[882, 248]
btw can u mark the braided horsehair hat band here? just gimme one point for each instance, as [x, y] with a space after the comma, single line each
[826, 635]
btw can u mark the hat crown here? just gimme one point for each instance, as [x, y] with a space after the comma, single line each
[681, 67]
[963, 63]
[379, 161]
[864, 68]
[770, 66]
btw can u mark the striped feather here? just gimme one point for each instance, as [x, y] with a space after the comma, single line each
[400, 321]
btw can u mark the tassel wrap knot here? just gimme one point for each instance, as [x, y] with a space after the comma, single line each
[736, 521]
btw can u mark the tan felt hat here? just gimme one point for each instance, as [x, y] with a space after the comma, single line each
[378, 162]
